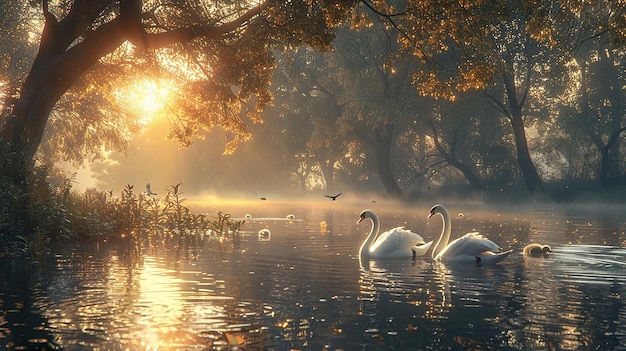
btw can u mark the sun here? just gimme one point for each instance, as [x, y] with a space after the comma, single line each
[146, 99]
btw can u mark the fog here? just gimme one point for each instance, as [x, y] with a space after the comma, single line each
[202, 168]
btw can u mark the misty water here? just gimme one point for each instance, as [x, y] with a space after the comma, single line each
[304, 287]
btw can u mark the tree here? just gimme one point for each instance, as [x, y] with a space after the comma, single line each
[449, 149]
[477, 45]
[379, 101]
[602, 107]
[591, 39]
[305, 116]
[221, 45]
[474, 46]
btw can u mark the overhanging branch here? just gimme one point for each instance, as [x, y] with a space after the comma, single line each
[161, 40]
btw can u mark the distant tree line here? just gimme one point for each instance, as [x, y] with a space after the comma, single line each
[516, 95]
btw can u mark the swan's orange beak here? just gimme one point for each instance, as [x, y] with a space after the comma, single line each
[360, 220]
[430, 215]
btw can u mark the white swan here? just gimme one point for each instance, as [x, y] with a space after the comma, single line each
[536, 250]
[470, 248]
[397, 242]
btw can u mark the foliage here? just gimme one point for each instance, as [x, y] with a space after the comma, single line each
[52, 212]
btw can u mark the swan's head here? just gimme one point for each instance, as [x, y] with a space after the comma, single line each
[438, 208]
[366, 214]
[546, 248]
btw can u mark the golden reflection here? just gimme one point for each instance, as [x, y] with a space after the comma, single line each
[162, 301]
[297, 330]
[442, 273]
[154, 301]
[385, 280]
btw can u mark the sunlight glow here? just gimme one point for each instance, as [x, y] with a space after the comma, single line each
[145, 99]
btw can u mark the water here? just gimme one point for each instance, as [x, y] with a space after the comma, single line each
[304, 287]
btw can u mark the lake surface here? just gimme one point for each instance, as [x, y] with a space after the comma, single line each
[304, 287]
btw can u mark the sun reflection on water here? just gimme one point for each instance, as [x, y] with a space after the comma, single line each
[160, 304]
[136, 304]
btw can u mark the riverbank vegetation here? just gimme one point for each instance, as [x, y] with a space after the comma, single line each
[52, 212]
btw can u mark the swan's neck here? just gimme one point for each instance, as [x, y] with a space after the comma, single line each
[365, 247]
[445, 233]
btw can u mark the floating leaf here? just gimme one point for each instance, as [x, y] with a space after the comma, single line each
[235, 340]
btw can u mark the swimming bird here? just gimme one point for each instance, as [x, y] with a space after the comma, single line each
[536, 250]
[470, 248]
[263, 198]
[265, 234]
[333, 197]
[291, 217]
[148, 191]
[396, 242]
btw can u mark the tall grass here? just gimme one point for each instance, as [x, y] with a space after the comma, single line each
[30, 221]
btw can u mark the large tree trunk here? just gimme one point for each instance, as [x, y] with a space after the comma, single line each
[383, 164]
[531, 177]
[55, 69]
[605, 159]
[328, 170]
[381, 142]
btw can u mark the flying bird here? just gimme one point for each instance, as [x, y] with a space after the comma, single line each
[333, 197]
[148, 191]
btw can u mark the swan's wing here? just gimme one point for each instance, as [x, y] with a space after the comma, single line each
[470, 244]
[493, 258]
[420, 250]
[396, 242]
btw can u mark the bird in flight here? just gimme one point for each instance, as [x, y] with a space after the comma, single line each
[148, 191]
[333, 197]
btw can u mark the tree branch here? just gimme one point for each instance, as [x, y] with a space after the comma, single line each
[498, 105]
[130, 15]
[614, 137]
[438, 145]
[161, 40]
[388, 17]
